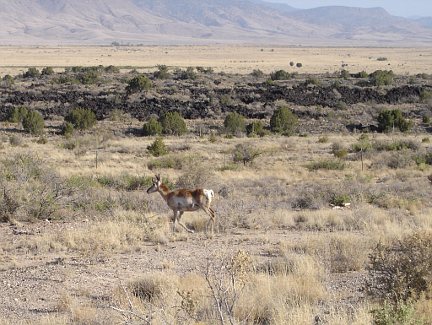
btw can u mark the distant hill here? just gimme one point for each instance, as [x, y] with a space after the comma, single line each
[202, 22]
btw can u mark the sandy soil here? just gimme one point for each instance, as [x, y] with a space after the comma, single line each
[222, 58]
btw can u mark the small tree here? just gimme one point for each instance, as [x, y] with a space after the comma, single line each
[234, 123]
[81, 118]
[152, 127]
[67, 129]
[245, 154]
[173, 124]
[283, 121]
[138, 84]
[33, 123]
[393, 119]
[158, 148]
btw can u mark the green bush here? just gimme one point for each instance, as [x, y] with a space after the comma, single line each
[8, 80]
[152, 127]
[389, 119]
[89, 77]
[157, 148]
[188, 74]
[328, 164]
[173, 124]
[138, 84]
[257, 73]
[31, 73]
[17, 114]
[381, 78]
[403, 314]
[162, 72]
[81, 118]
[401, 270]
[281, 75]
[234, 123]
[67, 129]
[338, 150]
[33, 123]
[47, 71]
[283, 121]
[345, 74]
[256, 128]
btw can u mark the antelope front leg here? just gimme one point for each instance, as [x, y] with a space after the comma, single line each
[174, 221]
[182, 224]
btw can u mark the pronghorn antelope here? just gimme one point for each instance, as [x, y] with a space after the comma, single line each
[184, 200]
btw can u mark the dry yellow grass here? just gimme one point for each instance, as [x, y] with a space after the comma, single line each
[222, 58]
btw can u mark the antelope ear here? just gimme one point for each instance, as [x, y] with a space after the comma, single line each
[158, 177]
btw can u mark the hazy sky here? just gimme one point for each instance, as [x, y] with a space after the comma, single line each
[404, 8]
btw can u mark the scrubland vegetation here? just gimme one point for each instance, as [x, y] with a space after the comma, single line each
[312, 227]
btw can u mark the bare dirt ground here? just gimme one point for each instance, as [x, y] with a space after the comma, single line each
[234, 59]
[37, 285]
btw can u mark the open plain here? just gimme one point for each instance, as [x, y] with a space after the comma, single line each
[328, 224]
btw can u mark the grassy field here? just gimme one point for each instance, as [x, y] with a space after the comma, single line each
[315, 228]
[221, 58]
[284, 251]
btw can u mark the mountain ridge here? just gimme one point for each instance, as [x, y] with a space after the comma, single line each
[171, 22]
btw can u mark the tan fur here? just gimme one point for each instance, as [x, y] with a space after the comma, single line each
[185, 200]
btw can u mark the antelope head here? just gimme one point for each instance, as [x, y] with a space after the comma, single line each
[156, 184]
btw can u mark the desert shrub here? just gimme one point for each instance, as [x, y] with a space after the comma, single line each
[345, 74]
[426, 119]
[361, 74]
[162, 72]
[426, 96]
[226, 100]
[67, 129]
[245, 154]
[170, 161]
[340, 199]
[312, 81]
[152, 127]
[32, 73]
[157, 148]
[399, 159]
[396, 145]
[402, 269]
[328, 164]
[81, 118]
[173, 124]
[425, 158]
[381, 78]
[197, 176]
[323, 139]
[257, 73]
[33, 123]
[8, 80]
[47, 71]
[138, 84]
[17, 114]
[280, 75]
[338, 150]
[389, 119]
[283, 121]
[256, 128]
[291, 63]
[382, 58]
[15, 140]
[390, 314]
[112, 69]
[299, 64]
[234, 123]
[188, 74]
[89, 77]
[363, 144]
[204, 70]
